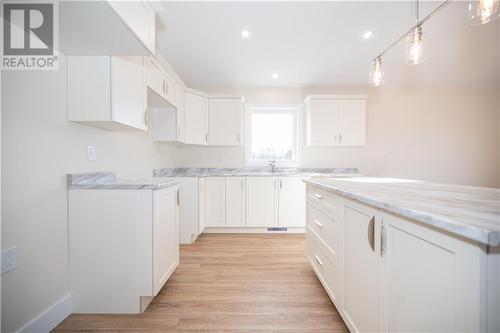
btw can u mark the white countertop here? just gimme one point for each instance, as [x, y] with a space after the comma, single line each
[470, 212]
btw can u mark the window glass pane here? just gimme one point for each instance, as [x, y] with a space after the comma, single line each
[272, 136]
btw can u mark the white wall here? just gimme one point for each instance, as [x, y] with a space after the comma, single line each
[39, 147]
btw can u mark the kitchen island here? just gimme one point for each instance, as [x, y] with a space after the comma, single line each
[373, 242]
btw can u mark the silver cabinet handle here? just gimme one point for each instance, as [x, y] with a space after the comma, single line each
[178, 198]
[318, 260]
[371, 233]
[318, 223]
[335, 139]
[281, 184]
[340, 137]
[242, 185]
[275, 182]
[206, 137]
[318, 196]
[238, 138]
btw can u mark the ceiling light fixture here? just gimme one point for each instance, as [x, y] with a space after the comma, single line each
[376, 73]
[245, 33]
[483, 11]
[367, 35]
[275, 75]
[415, 40]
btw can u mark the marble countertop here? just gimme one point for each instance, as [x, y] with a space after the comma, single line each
[249, 172]
[108, 181]
[470, 212]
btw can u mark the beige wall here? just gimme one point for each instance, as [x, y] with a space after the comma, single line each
[38, 148]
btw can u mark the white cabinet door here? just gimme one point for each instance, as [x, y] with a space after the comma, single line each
[202, 205]
[262, 202]
[224, 122]
[322, 122]
[165, 237]
[196, 115]
[235, 201]
[127, 91]
[155, 76]
[429, 280]
[181, 116]
[292, 202]
[140, 17]
[351, 123]
[361, 262]
[215, 193]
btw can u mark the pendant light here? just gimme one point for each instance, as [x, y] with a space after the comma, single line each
[483, 11]
[415, 42]
[376, 73]
[415, 47]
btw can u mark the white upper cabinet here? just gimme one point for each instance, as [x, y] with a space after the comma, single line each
[196, 119]
[140, 17]
[163, 91]
[107, 92]
[225, 122]
[107, 28]
[215, 194]
[352, 123]
[292, 194]
[335, 120]
[235, 201]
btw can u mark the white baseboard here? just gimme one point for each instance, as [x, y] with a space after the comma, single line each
[248, 230]
[50, 318]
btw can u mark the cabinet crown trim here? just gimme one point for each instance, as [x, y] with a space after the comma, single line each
[335, 97]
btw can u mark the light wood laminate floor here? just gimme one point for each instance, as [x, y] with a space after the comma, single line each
[232, 283]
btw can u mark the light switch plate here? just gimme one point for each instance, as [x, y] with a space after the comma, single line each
[9, 259]
[91, 155]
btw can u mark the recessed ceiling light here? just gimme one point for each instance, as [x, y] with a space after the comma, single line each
[275, 75]
[367, 35]
[245, 33]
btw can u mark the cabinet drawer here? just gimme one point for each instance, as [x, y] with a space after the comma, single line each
[326, 227]
[325, 200]
[328, 273]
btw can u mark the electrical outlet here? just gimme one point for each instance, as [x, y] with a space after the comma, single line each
[9, 259]
[91, 155]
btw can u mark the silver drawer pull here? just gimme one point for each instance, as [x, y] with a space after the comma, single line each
[318, 260]
[318, 223]
[318, 196]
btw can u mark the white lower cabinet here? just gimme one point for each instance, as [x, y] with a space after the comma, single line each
[397, 275]
[262, 202]
[165, 235]
[430, 282]
[215, 194]
[123, 247]
[202, 218]
[235, 201]
[292, 208]
[256, 202]
[361, 294]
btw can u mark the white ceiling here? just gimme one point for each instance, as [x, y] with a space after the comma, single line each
[307, 43]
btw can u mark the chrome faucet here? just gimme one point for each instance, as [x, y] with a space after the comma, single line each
[272, 164]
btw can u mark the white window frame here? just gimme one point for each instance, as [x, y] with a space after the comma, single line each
[295, 109]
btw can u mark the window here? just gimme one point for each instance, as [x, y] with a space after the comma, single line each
[272, 135]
